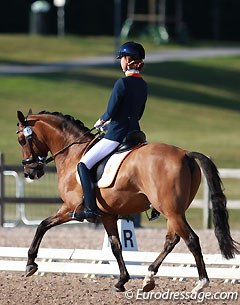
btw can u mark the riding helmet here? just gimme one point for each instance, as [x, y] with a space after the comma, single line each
[133, 49]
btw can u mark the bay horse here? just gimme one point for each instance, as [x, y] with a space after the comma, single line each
[165, 176]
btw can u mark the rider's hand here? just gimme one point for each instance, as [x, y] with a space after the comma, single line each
[104, 127]
[99, 124]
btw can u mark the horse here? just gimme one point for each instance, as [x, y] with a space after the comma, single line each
[161, 175]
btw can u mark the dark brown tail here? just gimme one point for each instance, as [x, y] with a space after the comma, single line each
[227, 245]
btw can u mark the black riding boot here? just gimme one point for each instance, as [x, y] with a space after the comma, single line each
[89, 193]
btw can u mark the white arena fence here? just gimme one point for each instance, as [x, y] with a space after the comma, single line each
[102, 263]
[20, 198]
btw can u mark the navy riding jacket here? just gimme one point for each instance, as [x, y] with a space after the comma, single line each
[125, 107]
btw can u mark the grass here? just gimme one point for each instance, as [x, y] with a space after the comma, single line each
[194, 104]
[37, 49]
[26, 49]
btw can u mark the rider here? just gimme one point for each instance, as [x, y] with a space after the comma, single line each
[125, 109]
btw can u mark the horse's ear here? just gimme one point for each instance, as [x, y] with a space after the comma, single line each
[29, 112]
[21, 117]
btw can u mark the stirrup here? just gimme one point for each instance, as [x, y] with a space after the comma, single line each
[154, 215]
[90, 216]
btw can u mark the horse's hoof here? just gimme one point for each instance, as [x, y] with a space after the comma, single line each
[148, 286]
[148, 282]
[119, 289]
[31, 269]
[201, 284]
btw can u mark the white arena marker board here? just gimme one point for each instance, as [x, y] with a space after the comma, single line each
[127, 236]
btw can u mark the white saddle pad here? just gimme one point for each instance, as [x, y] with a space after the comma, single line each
[111, 169]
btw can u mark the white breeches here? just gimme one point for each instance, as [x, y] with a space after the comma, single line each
[100, 150]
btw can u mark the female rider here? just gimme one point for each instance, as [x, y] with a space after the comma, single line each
[125, 109]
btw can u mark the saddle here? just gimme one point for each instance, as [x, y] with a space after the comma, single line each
[133, 140]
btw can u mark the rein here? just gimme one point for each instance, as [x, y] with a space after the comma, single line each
[50, 159]
[27, 131]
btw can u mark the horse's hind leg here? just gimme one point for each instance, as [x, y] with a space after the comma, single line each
[110, 224]
[191, 239]
[43, 227]
[171, 240]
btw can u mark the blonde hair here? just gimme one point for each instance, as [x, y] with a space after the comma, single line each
[136, 64]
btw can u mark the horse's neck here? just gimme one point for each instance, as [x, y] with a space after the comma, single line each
[69, 146]
[66, 162]
[63, 144]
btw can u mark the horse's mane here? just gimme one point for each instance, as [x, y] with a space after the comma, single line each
[69, 120]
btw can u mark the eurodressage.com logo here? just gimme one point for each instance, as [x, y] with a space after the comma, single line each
[178, 296]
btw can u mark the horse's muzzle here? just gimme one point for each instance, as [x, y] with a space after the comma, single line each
[33, 173]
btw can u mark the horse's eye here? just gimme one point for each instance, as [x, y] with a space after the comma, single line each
[22, 141]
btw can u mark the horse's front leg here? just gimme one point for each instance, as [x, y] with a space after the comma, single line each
[110, 225]
[43, 227]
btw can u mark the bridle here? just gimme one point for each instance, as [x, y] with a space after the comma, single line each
[35, 158]
[40, 161]
[51, 158]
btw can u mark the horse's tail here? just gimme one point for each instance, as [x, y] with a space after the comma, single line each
[227, 245]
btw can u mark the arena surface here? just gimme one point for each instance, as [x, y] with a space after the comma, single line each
[58, 289]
